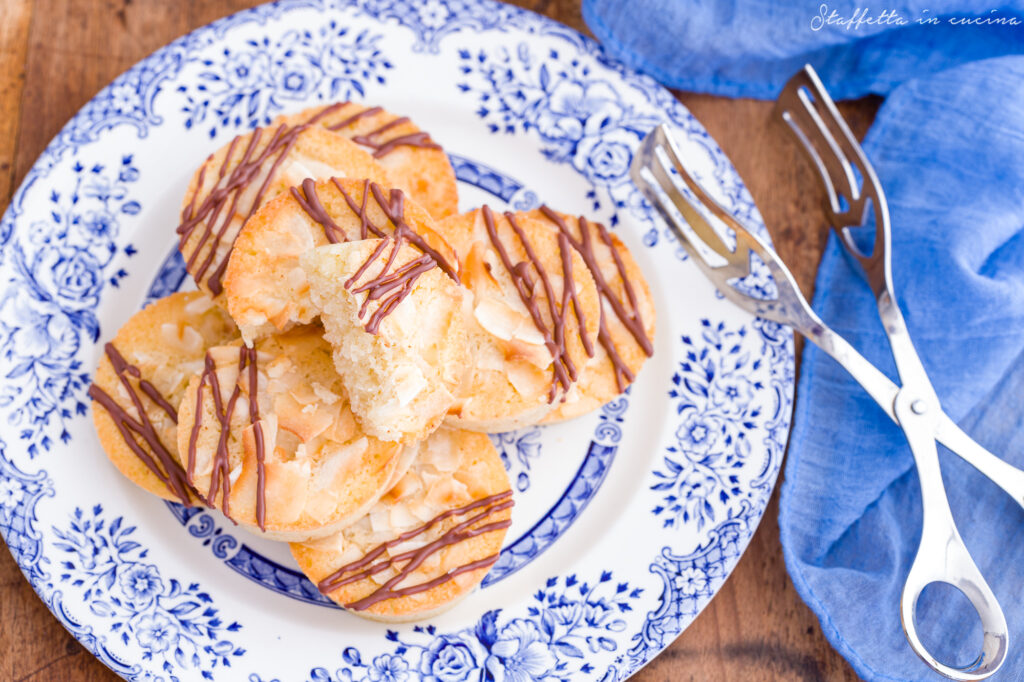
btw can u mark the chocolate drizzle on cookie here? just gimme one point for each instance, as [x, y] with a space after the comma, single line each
[392, 284]
[365, 225]
[220, 476]
[380, 147]
[309, 200]
[563, 369]
[216, 211]
[369, 565]
[631, 320]
[165, 467]
[394, 208]
[344, 123]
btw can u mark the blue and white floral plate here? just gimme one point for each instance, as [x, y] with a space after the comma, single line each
[627, 521]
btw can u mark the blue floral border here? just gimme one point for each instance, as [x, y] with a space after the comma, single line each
[494, 182]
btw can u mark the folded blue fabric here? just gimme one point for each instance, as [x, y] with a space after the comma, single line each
[948, 145]
[949, 150]
[749, 48]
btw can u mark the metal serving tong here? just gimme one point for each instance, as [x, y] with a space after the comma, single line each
[806, 109]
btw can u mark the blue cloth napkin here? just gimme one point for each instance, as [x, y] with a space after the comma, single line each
[750, 48]
[948, 145]
[949, 150]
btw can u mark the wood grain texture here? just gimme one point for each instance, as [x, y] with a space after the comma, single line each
[15, 19]
[56, 54]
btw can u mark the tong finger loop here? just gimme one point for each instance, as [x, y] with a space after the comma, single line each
[955, 568]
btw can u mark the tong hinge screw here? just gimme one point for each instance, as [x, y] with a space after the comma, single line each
[918, 407]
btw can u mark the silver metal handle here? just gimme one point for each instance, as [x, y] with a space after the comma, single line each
[942, 556]
[1000, 472]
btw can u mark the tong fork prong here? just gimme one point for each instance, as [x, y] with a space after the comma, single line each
[801, 105]
[851, 185]
[659, 141]
[693, 204]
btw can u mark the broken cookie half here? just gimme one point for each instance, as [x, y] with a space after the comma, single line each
[395, 320]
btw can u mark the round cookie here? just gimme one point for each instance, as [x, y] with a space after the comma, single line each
[427, 543]
[140, 381]
[416, 163]
[625, 338]
[250, 170]
[530, 335]
[265, 287]
[396, 323]
[293, 464]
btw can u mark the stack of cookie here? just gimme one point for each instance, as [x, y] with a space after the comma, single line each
[352, 340]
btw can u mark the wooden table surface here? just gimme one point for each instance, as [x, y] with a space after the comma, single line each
[56, 54]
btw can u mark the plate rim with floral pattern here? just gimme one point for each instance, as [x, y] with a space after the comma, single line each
[587, 587]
